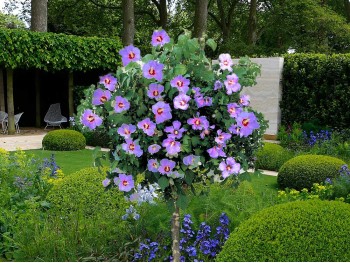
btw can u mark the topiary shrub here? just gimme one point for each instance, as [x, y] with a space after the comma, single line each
[64, 140]
[83, 191]
[272, 156]
[305, 170]
[297, 231]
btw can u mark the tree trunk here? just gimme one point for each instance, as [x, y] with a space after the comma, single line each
[163, 14]
[175, 234]
[10, 104]
[2, 92]
[38, 23]
[128, 22]
[70, 93]
[200, 18]
[39, 15]
[252, 23]
[37, 99]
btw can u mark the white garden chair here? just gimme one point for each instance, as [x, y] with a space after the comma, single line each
[3, 117]
[17, 117]
[54, 116]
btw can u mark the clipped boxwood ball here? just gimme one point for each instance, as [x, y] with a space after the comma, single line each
[272, 156]
[64, 140]
[305, 170]
[83, 191]
[300, 231]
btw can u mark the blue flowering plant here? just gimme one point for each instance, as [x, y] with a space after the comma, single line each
[175, 117]
[201, 245]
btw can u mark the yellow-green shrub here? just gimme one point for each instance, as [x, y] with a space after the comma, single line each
[83, 191]
[297, 231]
[272, 156]
[305, 170]
[64, 140]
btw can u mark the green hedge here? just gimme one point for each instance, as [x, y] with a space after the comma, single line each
[305, 170]
[316, 87]
[64, 140]
[297, 231]
[50, 51]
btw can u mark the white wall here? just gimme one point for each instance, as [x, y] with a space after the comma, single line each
[266, 94]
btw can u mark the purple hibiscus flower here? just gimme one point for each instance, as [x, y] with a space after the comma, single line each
[191, 160]
[222, 137]
[203, 101]
[199, 122]
[154, 148]
[181, 101]
[234, 129]
[106, 182]
[147, 126]
[229, 167]
[108, 81]
[126, 130]
[197, 92]
[155, 90]
[225, 62]
[166, 166]
[129, 54]
[153, 165]
[162, 112]
[247, 122]
[132, 147]
[126, 182]
[121, 104]
[175, 131]
[233, 109]
[206, 131]
[100, 96]
[216, 152]
[159, 38]
[90, 119]
[153, 70]
[232, 84]
[181, 83]
[172, 146]
[217, 85]
[244, 100]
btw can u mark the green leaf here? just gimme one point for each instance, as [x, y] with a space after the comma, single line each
[163, 182]
[182, 202]
[195, 141]
[189, 177]
[212, 44]
[180, 69]
[186, 144]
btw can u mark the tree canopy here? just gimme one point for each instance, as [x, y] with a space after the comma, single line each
[240, 27]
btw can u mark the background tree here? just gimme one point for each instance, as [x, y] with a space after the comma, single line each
[200, 18]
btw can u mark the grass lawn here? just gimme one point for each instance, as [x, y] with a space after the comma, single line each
[68, 161]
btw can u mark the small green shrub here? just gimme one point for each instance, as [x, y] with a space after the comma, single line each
[305, 170]
[64, 140]
[83, 191]
[84, 223]
[297, 231]
[272, 156]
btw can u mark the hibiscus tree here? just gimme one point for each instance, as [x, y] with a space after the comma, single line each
[176, 118]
